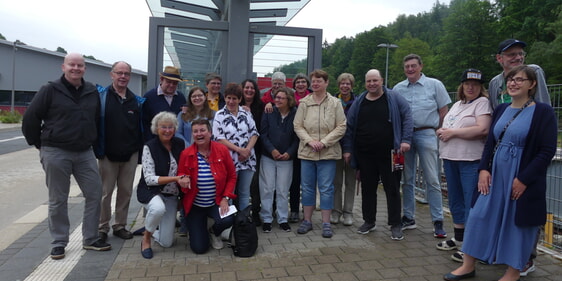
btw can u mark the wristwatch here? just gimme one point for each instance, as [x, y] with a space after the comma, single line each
[226, 197]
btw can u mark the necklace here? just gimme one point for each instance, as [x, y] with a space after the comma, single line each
[204, 156]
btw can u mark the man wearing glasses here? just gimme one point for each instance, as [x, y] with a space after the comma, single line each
[117, 148]
[510, 54]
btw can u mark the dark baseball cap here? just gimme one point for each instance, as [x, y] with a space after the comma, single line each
[508, 43]
[472, 74]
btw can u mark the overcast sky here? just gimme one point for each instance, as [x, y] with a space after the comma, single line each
[112, 30]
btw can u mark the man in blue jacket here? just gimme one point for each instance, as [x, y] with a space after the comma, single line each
[61, 122]
[379, 121]
[117, 149]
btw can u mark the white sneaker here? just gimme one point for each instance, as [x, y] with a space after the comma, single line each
[347, 219]
[529, 267]
[216, 241]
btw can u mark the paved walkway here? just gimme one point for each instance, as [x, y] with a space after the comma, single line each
[282, 256]
[290, 256]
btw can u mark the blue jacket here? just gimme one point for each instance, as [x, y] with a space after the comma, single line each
[540, 147]
[100, 146]
[400, 116]
[276, 133]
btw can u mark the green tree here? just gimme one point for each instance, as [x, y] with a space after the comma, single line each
[408, 45]
[468, 41]
[61, 50]
[365, 47]
[527, 19]
[549, 55]
[2, 37]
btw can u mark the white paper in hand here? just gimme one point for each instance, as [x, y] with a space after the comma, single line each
[231, 210]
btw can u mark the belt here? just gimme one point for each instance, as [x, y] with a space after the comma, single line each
[423, 128]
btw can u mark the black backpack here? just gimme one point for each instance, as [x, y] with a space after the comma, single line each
[244, 236]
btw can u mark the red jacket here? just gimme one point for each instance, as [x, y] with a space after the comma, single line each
[222, 168]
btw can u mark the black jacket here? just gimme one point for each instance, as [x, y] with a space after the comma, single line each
[161, 159]
[56, 118]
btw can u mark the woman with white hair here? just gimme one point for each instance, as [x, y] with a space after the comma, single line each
[158, 188]
[277, 81]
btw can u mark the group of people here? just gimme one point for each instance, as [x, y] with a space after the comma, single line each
[277, 152]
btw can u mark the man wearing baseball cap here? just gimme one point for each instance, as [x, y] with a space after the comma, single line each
[165, 97]
[510, 54]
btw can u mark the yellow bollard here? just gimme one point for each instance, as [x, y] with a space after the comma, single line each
[549, 229]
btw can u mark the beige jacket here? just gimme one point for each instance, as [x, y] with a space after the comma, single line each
[324, 122]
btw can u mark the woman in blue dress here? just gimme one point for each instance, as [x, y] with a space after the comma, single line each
[511, 202]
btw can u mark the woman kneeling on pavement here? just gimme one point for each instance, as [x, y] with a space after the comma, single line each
[208, 185]
[158, 188]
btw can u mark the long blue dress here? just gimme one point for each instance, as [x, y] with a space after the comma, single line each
[491, 234]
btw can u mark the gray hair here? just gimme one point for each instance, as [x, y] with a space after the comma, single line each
[162, 117]
[278, 75]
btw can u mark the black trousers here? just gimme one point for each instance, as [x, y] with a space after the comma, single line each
[375, 166]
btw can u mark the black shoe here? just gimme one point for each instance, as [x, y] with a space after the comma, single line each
[285, 226]
[266, 227]
[452, 277]
[98, 246]
[122, 233]
[57, 253]
[102, 236]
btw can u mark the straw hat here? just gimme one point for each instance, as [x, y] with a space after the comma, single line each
[171, 73]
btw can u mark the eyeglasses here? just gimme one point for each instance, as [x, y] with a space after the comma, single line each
[517, 80]
[197, 96]
[280, 98]
[121, 73]
[169, 128]
[513, 55]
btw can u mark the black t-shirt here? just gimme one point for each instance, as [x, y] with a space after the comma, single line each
[374, 130]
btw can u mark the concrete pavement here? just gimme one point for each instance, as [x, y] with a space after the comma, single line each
[282, 256]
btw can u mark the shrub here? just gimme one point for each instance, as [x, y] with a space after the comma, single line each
[10, 117]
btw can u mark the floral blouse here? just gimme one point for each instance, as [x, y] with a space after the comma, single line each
[238, 130]
[150, 174]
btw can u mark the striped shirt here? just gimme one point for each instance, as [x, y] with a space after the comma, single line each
[206, 184]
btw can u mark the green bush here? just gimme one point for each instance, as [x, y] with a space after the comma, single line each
[10, 117]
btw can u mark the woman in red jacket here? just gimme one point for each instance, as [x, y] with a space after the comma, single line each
[208, 185]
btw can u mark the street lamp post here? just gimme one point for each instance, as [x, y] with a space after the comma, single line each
[387, 46]
[13, 78]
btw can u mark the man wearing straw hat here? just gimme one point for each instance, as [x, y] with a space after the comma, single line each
[165, 97]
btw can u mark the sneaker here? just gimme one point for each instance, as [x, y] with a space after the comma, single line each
[285, 226]
[396, 232]
[366, 228]
[408, 223]
[457, 256]
[98, 246]
[57, 253]
[449, 245]
[529, 267]
[438, 231]
[327, 230]
[294, 217]
[216, 241]
[347, 219]
[266, 227]
[335, 218]
[305, 227]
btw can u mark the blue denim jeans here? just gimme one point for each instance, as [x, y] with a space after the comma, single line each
[318, 173]
[198, 229]
[462, 179]
[424, 144]
[243, 181]
[275, 180]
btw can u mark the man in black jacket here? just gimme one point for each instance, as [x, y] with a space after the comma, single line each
[117, 148]
[61, 122]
